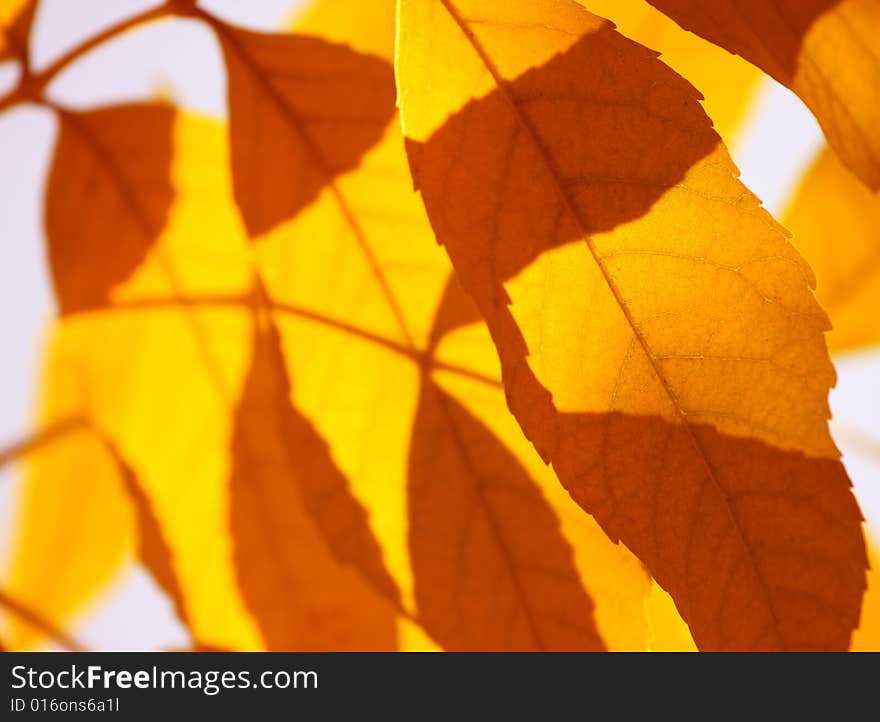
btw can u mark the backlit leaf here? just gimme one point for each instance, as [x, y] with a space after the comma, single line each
[301, 111]
[658, 335]
[289, 501]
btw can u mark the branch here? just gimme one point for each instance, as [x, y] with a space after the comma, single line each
[40, 439]
[31, 86]
[39, 622]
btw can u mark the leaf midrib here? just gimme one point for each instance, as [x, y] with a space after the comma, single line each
[547, 160]
[290, 116]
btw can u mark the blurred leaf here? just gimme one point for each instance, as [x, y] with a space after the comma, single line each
[289, 504]
[301, 111]
[152, 549]
[107, 199]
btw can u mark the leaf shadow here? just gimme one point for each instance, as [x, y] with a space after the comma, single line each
[302, 111]
[760, 547]
[107, 198]
[309, 568]
[491, 567]
[578, 146]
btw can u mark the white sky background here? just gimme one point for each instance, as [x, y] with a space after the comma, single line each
[182, 57]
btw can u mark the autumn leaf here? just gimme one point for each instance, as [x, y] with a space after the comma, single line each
[658, 335]
[291, 513]
[107, 199]
[867, 637]
[830, 206]
[23, 614]
[111, 368]
[363, 306]
[301, 111]
[478, 578]
[359, 343]
[72, 442]
[824, 50]
[84, 549]
[292, 412]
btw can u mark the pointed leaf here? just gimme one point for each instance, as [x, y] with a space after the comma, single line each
[302, 598]
[659, 340]
[301, 111]
[107, 198]
[728, 83]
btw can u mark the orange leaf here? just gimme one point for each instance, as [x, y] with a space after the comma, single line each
[107, 198]
[659, 340]
[289, 501]
[301, 111]
[824, 50]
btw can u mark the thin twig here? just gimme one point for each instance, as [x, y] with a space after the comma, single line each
[40, 439]
[39, 622]
[31, 85]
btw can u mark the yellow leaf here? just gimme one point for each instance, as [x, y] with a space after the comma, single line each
[161, 381]
[836, 225]
[826, 51]
[152, 549]
[247, 464]
[358, 327]
[291, 511]
[658, 335]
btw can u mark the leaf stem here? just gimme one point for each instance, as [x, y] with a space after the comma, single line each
[39, 622]
[31, 85]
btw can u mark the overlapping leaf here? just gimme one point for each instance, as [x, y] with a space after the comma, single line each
[658, 335]
[824, 50]
[301, 111]
[260, 437]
